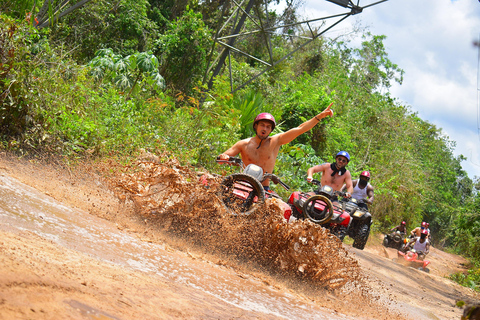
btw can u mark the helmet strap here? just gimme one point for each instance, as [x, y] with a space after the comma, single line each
[261, 140]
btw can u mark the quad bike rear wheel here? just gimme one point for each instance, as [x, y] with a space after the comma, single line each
[318, 216]
[248, 185]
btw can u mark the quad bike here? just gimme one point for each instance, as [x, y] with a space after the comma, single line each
[412, 258]
[340, 218]
[243, 193]
[359, 228]
[395, 240]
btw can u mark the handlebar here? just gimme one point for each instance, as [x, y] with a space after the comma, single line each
[275, 180]
[238, 162]
[231, 161]
[337, 193]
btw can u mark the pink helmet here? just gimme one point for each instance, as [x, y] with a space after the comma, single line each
[424, 224]
[365, 174]
[427, 225]
[265, 116]
[404, 223]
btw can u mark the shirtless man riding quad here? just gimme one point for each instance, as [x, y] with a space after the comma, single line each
[334, 174]
[262, 149]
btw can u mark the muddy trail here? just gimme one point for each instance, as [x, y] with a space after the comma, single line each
[147, 241]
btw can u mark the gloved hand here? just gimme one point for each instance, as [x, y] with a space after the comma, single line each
[309, 179]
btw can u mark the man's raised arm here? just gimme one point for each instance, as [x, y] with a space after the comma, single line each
[291, 134]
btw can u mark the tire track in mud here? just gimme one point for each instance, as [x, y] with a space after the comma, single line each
[169, 198]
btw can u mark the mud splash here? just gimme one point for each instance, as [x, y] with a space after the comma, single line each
[169, 197]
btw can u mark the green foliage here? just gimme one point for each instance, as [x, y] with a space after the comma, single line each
[249, 105]
[18, 71]
[121, 25]
[292, 165]
[302, 100]
[470, 280]
[183, 51]
[17, 9]
[127, 72]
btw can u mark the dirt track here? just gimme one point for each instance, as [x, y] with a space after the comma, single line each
[57, 276]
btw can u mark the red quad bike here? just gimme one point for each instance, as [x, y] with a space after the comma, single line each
[413, 259]
[243, 193]
[340, 218]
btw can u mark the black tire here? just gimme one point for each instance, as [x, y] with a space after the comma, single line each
[385, 242]
[340, 232]
[235, 205]
[361, 238]
[316, 216]
[397, 238]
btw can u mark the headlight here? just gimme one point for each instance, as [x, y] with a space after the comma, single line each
[358, 214]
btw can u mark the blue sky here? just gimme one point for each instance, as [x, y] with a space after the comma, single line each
[432, 41]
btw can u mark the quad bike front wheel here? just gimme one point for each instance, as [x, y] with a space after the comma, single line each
[316, 215]
[241, 194]
[385, 242]
[361, 237]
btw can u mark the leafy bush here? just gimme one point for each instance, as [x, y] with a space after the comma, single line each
[121, 25]
[471, 279]
[126, 73]
[183, 50]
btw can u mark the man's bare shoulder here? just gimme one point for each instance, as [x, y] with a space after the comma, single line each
[243, 143]
[323, 166]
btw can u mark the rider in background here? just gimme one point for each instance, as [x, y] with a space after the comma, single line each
[362, 190]
[421, 244]
[418, 230]
[402, 227]
[261, 149]
[334, 174]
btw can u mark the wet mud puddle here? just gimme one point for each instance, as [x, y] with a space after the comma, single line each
[23, 208]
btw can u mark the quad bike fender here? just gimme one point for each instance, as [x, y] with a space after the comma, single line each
[425, 263]
[286, 209]
[294, 199]
[345, 219]
[340, 220]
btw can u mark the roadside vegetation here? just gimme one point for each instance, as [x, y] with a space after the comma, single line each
[117, 77]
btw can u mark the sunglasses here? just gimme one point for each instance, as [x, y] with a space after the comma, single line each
[343, 160]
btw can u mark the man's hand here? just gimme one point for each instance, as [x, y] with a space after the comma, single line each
[223, 156]
[309, 179]
[347, 195]
[327, 112]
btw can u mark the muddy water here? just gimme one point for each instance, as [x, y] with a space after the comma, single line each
[24, 209]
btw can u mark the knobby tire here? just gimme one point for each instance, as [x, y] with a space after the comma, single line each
[248, 206]
[312, 214]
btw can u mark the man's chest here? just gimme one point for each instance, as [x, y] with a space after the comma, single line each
[335, 179]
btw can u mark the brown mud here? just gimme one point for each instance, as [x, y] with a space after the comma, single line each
[162, 203]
